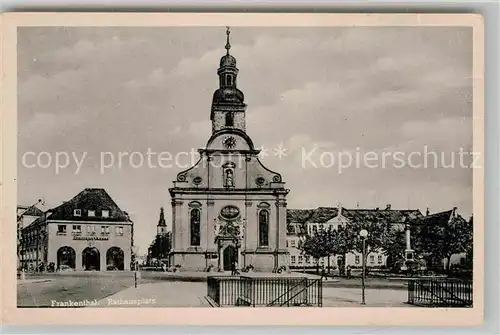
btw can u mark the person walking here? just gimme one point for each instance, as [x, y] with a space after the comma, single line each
[348, 272]
[233, 268]
[323, 273]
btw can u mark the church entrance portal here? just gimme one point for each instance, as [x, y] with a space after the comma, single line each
[230, 255]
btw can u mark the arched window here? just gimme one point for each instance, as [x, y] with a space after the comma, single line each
[228, 80]
[229, 120]
[195, 227]
[263, 228]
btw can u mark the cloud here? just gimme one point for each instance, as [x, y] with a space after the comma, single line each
[43, 125]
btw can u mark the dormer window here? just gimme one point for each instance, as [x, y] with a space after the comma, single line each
[77, 212]
[105, 213]
[91, 213]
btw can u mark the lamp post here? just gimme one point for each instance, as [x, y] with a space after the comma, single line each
[363, 233]
[242, 242]
[301, 241]
[135, 250]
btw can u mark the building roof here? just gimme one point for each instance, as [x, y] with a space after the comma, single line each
[386, 215]
[298, 215]
[441, 218]
[324, 214]
[89, 199]
[30, 210]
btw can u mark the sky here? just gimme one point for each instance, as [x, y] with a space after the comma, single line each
[319, 93]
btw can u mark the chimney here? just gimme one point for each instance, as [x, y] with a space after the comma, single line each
[339, 208]
[388, 207]
[427, 212]
[377, 208]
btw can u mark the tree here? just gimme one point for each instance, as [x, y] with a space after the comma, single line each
[161, 245]
[444, 240]
[342, 241]
[319, 245]
[469, 255]
[395, 246]
[378, 233]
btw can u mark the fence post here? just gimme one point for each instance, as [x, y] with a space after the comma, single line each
[288, 292]
[409, 290]
[320, 295]
[252, 283]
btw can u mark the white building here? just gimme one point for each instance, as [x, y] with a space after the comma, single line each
[310, 221]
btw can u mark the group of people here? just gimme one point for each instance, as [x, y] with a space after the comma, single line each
[235, 271]
[51, 267]
[324, 274]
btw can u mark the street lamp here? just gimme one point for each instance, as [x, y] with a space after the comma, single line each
[363, 233]
[135, 250]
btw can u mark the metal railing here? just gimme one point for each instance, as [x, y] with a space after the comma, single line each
[440, 292]
[263, 291]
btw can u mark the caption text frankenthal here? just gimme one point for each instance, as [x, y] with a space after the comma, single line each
[109, 301]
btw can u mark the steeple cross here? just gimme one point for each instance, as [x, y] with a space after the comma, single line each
[228, 45]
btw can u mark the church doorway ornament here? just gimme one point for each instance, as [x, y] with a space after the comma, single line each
[229, 230]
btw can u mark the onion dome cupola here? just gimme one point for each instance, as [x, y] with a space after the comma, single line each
[228, 107]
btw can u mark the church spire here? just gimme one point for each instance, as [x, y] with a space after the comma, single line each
[162, 222]
[161, 228]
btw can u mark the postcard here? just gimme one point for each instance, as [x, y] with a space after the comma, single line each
[242, 169]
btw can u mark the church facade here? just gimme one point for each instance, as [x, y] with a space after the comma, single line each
[229, 208]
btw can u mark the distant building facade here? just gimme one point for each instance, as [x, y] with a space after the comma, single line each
[229, 208]
[88, 232]
[310, 221]
[25, 216]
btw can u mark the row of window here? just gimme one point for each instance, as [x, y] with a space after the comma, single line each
[314, 228]
[91, 230]
[195, 217]
[33, 239]
[91, 213]
[308, 259]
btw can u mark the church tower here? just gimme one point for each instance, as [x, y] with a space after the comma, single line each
[228, 108]
[228, 207]
[161, 228]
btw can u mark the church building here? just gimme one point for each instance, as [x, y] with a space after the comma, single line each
[229, 208]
